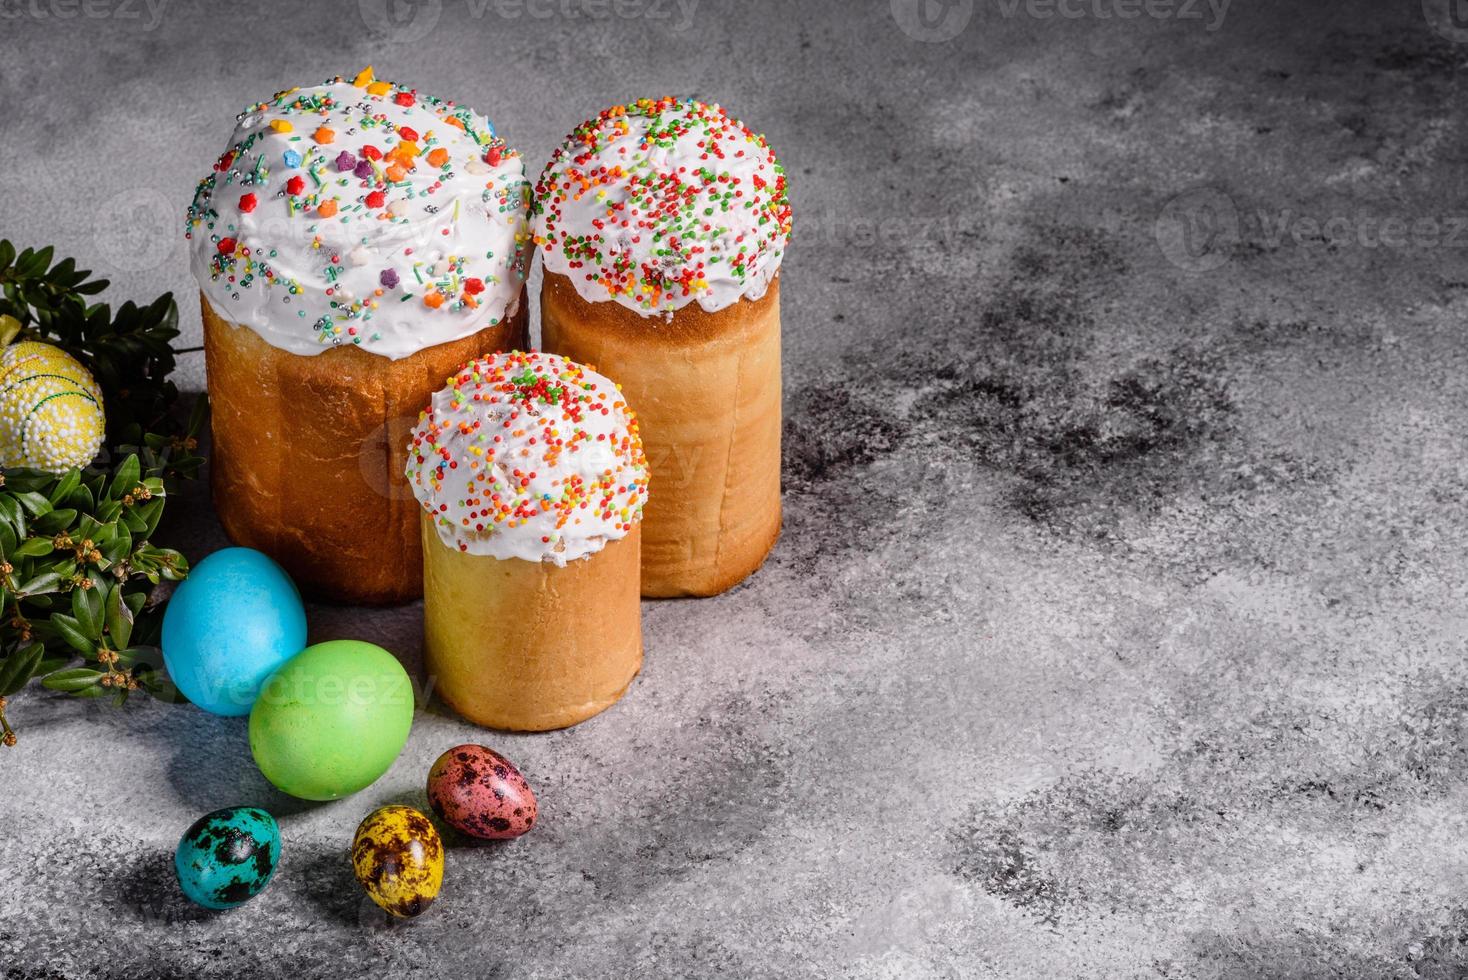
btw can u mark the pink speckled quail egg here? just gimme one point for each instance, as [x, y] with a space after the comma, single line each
[479, 792]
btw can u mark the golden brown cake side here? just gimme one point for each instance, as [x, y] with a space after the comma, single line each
[706, 390]
[308, 454]
[529, 645]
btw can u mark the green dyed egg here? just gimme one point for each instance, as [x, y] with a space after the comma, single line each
[331, 719]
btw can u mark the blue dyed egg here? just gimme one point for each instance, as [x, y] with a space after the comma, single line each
[234, 620]
[227, 857]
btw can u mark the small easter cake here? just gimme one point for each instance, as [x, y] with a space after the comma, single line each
[662, 225]
[531, 474]
[355, 242]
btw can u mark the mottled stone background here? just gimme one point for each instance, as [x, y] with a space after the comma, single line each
[1118, 624]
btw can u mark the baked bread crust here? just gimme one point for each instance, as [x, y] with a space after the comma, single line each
[706, 390]
[530, 646]
[308, 456]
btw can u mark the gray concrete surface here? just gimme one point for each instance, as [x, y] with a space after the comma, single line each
[1117, 629]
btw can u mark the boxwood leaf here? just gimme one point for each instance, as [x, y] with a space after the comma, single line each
[74, 633]
[86, 606]
[73, 680]
[127, 476]
[119, 618]
[19, 667]
[65, 486]
[32, 548]
[34, 502]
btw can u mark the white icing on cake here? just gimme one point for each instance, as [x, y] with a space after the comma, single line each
[360, 212]
[661, 203]
[529, 456]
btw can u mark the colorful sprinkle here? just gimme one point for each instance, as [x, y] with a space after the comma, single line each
[530, 456]
[661, 203]
[342, 216]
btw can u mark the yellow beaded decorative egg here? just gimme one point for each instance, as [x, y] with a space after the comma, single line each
[50, 409]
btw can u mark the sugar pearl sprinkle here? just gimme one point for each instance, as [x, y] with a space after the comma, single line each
[529, 456]
[360, 212]
[660, 203]
[50, 409]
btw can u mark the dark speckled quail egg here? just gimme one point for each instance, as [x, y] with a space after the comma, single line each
[227, 857]
[481, 793]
